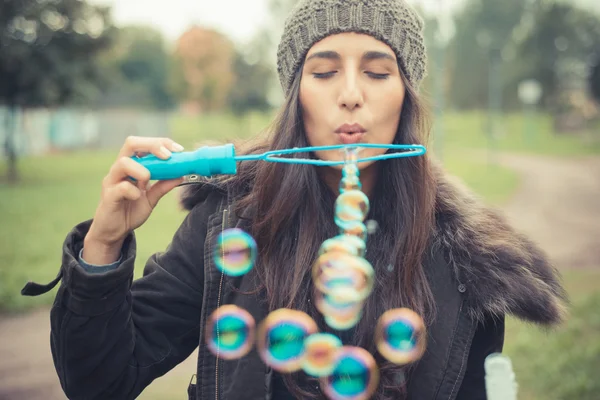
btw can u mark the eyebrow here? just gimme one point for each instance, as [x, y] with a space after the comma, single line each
[368, 56]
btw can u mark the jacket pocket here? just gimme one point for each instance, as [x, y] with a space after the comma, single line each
[192, 391]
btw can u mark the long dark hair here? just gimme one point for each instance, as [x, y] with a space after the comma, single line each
[293, 214]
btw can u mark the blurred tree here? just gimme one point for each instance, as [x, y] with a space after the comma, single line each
[594, 80]
[484, 31]
[48, 56]
[136, 70]
[558, 46]
[253, 77]
[203, 68]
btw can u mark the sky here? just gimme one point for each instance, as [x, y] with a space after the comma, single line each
[238, 19]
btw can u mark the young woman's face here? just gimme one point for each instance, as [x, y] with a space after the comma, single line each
[351, 92]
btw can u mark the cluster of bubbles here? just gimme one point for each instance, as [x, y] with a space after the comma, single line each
[289, 340]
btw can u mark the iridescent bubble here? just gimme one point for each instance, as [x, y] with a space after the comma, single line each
[344, 243]
[330, 306]
[351, 155]
[350, 183]
[280, 339]
[230, 332]
[339, 261]
[343, 322]
[400, 336]
[352, 205]
[321, 349]
[372, 226]
[235, 252]
[354, 228]
[350, 171]
[355, 376]
[345, 285]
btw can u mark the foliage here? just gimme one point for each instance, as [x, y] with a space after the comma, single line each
[594, 79]
[48, 56]
[549, 41]
[137, 70]
[48, 50]
[204, 68]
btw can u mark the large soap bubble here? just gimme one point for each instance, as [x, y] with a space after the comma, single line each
[400, 336]
[345, 244]
[280, 338]
[321, 350]
[352, 205]
[355, 376]
[230, 332]
[235, 252]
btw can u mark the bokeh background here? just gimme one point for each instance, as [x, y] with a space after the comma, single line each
[514, 89]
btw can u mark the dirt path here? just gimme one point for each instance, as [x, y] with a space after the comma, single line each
[558, 205]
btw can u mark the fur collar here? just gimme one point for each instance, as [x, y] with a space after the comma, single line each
[504, 272]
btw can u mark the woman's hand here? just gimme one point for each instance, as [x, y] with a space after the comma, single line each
[125, 203]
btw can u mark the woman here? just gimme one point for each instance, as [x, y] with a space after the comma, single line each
[351, 72]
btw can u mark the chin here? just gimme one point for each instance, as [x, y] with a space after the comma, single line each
[338, 155]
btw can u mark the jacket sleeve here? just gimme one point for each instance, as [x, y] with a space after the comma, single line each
[488, 339]
[112, 336]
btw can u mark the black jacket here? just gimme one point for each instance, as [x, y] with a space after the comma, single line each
[112, 336]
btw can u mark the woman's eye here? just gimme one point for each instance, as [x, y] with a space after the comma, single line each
[324, 75]
[377, 76]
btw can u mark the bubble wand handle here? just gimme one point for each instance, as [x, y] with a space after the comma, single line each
[205, 161]
[221, 160]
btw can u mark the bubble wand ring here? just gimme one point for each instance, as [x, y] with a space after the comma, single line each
[273, 156]
[221, 160]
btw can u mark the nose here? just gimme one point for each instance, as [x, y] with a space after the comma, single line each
[351, 95]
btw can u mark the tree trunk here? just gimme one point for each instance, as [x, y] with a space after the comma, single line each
[10, 148]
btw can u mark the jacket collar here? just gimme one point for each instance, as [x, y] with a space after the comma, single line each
[503, 271]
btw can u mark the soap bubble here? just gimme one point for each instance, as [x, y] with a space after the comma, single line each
[280, 338]
[349, 284]
[338, 262]
[328, 305]
[353, 228]
[235, 252]
[400, 336]
[344, 243]
[352, 205]
[321, 349]
[372, 226]
[351, 155]
[350, 171]
[230, 332]
[350, 182]
[343, 322]
[355, 376]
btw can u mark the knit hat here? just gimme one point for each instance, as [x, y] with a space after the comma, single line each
[393, 22]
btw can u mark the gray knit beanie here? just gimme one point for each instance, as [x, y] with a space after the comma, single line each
[393, 22]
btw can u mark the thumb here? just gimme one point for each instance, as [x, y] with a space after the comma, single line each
[159, 189]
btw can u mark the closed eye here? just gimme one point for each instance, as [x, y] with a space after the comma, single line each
[377, 76]
[324, 75]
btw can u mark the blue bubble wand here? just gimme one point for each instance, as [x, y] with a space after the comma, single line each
[221, 160]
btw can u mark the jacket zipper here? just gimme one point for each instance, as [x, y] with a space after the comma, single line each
[223, 227]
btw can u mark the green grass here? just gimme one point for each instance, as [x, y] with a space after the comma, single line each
[515, 133]
[561, 364]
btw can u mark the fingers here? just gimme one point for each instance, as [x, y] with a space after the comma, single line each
[128, 179]
[125, 168]
[123, 191]
[159, 189]
[160, 147]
